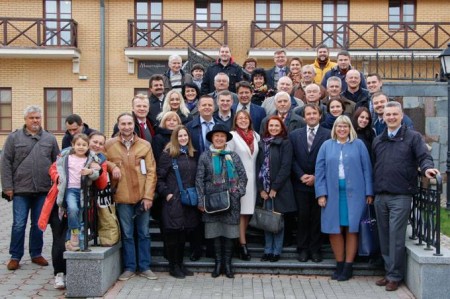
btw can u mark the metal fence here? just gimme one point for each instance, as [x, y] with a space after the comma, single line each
[425, 218]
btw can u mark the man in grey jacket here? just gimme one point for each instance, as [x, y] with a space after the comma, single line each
[27, 156]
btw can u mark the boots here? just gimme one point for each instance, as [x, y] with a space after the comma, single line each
[228, 254]
[347, 272]
[172, 255]
[244, 254]
[180, 256]
[217, 258]
[339, 268]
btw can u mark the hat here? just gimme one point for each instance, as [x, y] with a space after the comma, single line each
[198, 66]
[219, 128]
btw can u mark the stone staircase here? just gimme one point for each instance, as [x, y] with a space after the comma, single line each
[288, 264]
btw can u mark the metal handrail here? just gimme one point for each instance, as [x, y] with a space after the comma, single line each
[425, 217]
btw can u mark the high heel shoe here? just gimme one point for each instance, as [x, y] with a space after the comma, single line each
[244, 254]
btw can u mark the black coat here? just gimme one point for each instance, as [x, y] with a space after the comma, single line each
[161, 139]
[304, 161]
[280, 171]
[175, 216]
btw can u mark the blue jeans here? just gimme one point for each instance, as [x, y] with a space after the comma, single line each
[22, 205]
[273, 242]
[74, 213]
[127, 223]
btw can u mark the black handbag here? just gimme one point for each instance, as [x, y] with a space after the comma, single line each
[369, 243]
[217, 202]
[267, 220]
[188, 196]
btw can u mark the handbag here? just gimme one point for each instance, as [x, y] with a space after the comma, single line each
[108, 224]
[217, 202]
[267, 220]
[369, 243]
[189, 195]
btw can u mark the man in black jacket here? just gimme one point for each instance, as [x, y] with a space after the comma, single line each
[74, 125]
[224, 64]
[397, 153]
[156, 85]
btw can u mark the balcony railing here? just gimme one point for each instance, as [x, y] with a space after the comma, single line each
[32, 32]
[350, 35]
[177, 33]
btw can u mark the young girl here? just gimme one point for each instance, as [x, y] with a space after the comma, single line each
[71, 166]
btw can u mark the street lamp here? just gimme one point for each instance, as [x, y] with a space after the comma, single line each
[445, 64]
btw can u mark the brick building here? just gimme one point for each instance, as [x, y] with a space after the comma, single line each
[90, 57]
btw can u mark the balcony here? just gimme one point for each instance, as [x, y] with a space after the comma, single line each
[158, 39]
[39, 38]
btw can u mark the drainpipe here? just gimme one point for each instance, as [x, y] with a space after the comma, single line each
[102, 66]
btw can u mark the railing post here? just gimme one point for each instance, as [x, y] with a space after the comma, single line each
[226, 33]
[283, 34]
[5, 32]
[438, 214]
[39, 24]
[252, 34]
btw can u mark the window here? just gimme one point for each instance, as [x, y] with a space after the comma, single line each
[401, 11]
[57, 32]
[58, 105]
[334, 11]
[148, 15]
[268, 12]
[5, 109]
[208, 10]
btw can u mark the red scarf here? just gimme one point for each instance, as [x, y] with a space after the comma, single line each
[248, 138]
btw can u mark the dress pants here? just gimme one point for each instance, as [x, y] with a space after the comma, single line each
[309, 236]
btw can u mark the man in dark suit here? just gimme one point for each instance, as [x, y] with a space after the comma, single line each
[306, 143]
[224, 114]
[202, 124]
[279, 70]
[156, 85]
[257, 114]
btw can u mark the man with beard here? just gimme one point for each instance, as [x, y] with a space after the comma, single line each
[224, 64]
[341, 69]
[322, 63]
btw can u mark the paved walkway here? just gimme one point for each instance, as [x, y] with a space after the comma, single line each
[33, 281]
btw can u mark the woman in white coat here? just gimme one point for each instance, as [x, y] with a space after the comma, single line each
[245, 144]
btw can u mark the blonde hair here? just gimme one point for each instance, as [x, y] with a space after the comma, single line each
[343, 119]
[167, 115]
[173, 147]
[166, 106]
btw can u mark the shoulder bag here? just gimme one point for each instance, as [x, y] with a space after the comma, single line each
[188, 196]
[368, 234]
[217, 202]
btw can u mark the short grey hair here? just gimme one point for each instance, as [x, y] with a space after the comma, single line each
[221, 74]
[394, 104]
[280, 94]
[334, 78]
[310, 67]
[32, 109]
[175, 56]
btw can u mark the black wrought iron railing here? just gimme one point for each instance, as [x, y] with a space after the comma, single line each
[425, 218]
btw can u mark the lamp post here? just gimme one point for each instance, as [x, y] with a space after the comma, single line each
[445, 64]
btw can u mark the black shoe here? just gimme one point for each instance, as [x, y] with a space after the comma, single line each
[243, 253]
[316, 257]
[303, 256]
[185, 271]
[275, 258]
[338, 272]
[195, 256]
[266, 257]
[176, 272]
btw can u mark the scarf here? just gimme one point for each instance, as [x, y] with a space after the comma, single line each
[248, 138]
[191, 105]
[264, 173]
[224, 172]
[329, 121]
[184, 149]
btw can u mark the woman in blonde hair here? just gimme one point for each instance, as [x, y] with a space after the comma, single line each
[177, 219]
[169, 121]
[174, 101]
[343, 185]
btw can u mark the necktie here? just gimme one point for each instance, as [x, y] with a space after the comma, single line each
[311, 138]
[281, 72]
[244, 107]
[142, 131]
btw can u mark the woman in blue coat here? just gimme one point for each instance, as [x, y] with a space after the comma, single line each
[343, 187]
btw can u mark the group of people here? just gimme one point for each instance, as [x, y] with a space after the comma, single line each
[308, 141]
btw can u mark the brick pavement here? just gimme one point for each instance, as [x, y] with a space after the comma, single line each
[33, 281]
